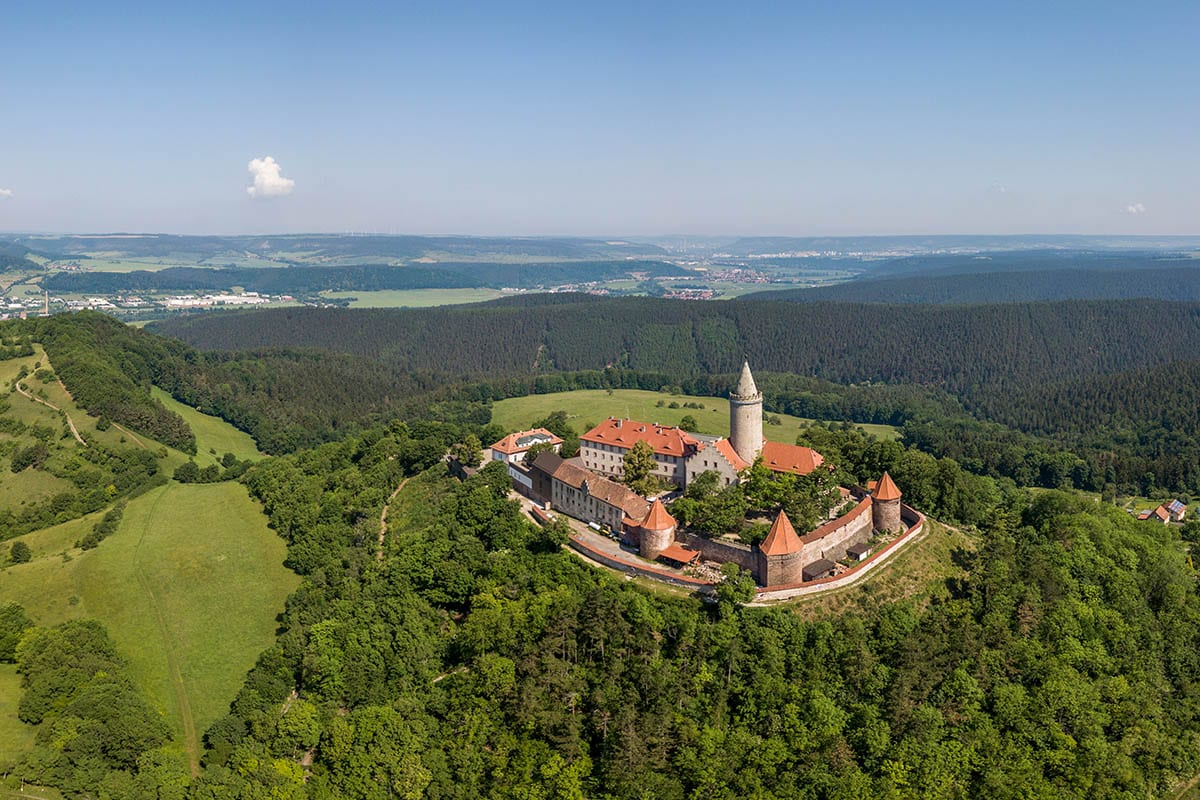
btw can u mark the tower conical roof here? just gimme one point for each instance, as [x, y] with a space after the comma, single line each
[746, 387]
[886, 489]
[782, 538]
[657, 519]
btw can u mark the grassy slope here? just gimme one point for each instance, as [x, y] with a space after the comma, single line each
[14, 736]
[212, 433]
[919, 572]
[188, 586]
[594, 405]
[415, 298]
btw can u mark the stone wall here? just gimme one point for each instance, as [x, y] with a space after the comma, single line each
[632, 568]
[831, 539]
[711, 550]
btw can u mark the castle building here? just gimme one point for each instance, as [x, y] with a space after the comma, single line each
[681, 456]
[512, 448]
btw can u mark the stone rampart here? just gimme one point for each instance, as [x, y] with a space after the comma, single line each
[711, 550]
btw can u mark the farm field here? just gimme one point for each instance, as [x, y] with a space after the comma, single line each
[214, 436]
[415, 298]
[189, 587]
[590, 406]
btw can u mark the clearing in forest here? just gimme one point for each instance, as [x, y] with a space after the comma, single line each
[189, 587]
[214, 436]
[592, 406]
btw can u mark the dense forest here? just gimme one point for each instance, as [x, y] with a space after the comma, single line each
[1174, 283]
[1100, 380]
[478, 659]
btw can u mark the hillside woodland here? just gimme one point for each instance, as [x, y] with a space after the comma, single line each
[1063, 372]
[477, 658]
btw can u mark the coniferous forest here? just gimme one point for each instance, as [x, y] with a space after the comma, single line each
[477, 658]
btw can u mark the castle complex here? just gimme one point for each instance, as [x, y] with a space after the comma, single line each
[681, 456]
[583, 488]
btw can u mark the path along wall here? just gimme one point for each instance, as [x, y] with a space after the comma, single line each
[637, 569]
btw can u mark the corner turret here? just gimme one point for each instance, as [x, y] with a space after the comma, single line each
[885, 505]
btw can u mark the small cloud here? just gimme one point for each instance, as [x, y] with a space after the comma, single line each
[268, 182]
[998, 188]
[6, 192]
[1135, 209]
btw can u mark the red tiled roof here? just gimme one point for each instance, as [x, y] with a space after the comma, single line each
[793, 458]
[679, 553]
[658, 519]
[1162, 513]
[611, 492]
[625, 433]
[726, 449]
[886, 489]
[513, 442]
[782, 538]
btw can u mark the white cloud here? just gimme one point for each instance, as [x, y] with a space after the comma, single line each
[1135, 208]
[998, 188]
[6, 192]
[268, 182]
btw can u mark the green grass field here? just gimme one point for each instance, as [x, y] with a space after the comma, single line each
[213, 434]
[189, 587]
[919, 572]
[15, 736]
[414, 298]
[591, 406]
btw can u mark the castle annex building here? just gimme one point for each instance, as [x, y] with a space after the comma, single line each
[681, 455]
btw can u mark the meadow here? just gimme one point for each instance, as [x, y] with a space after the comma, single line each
[588, 407]
[214, 436]
[414, 298]
[189, 587]
[15, 737]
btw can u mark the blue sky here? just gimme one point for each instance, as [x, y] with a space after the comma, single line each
[602, 119]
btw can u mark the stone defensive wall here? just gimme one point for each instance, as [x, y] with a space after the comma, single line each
[831, 539]
[633, 568]
[712, 550]
[828, 541]
[915, 521]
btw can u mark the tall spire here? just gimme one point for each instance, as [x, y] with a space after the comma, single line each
[746, 387]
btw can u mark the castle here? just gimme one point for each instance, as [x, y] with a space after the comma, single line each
[681, 456]
[583, 488]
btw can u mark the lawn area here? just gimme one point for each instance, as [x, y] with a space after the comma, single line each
[15, 736]
[414, 298]
[919, 571]
[189, 587]
[591, 406]
[214, 436]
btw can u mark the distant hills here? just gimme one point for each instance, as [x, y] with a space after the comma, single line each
[304, 280]
[325, 248]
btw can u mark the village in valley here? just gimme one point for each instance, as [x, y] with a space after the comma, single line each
[638, 494]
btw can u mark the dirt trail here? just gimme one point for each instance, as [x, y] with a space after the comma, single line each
[383, 519]
[191, 741]
[48, 404]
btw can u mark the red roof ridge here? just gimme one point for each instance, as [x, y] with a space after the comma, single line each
[657, 519]
[886, 489]
[782, 538]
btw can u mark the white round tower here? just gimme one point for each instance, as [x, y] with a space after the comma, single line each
[745, 417]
